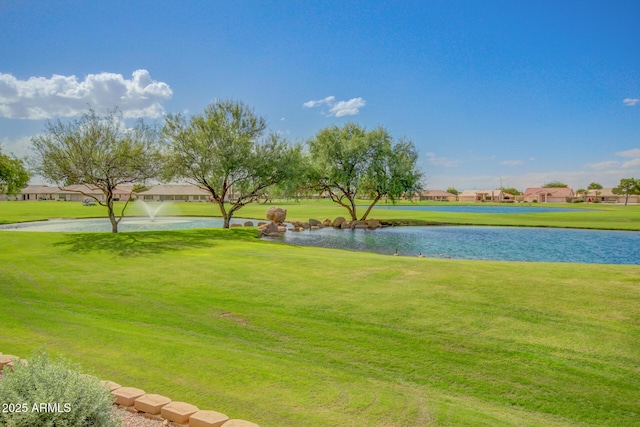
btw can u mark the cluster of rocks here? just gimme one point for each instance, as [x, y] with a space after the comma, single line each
[277, 217]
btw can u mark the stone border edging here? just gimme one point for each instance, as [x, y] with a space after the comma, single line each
[155, 406]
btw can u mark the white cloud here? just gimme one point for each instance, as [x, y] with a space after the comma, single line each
[66, 96]
[328, 101]
[634, 153]
[630, 101]
[441, 161]
[631, 163]
[512, 163]
[18, 147]
[604, 165]
[347, 108]
[338, 109]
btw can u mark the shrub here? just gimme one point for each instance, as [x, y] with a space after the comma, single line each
[50, 392]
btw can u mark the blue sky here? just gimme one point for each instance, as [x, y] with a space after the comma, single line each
[518, 93]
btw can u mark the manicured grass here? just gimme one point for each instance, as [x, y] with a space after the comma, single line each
[297, 336]
[613, 217]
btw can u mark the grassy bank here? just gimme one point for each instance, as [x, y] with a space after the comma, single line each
[612, 217]
[291, 336]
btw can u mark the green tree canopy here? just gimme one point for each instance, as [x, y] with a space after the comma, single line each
[452, 190]
[555, 184]
[13, 174]
[349, 162]
[582, 192]
[627, 187]
[100, 152]
[594, 186]
[511, 190]
[225, 151]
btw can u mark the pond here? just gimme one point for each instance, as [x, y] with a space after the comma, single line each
[483, 243]
[482, 209]
[456, 242]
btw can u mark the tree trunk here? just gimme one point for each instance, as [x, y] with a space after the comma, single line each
[226, 216]
[366, 214]
[112, 215]
[352, 210]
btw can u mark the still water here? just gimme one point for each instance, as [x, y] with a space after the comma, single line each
[483, 243]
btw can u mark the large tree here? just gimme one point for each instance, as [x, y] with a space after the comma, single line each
[627, 187]
[13, 175]
[594, 186]
[226, 152]
[98, 152]
[350, 162]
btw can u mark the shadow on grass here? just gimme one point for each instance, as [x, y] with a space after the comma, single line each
[135, 244]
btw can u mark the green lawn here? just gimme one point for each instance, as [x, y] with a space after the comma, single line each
[299, 336]
[585, 216]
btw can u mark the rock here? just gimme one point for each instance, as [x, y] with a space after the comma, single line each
[235, 225]
[282, 228]
[359, 224]
[261, 223]
[314, 222]
[373, 224]
[338, 222]
[248, 223]
[277, 215]
[269, 229]
[345, 225]
[305, 225]
[315, 227]
[326, 222]
[297, 224]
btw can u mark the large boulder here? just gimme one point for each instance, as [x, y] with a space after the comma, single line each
[345, 224]
[314, 222]
[269, 229]
[338, 222]
[373, 224]
[327, 222]
[277, 215]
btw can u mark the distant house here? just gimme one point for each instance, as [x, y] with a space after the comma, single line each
[75, 193]
[482, 196]
[548, 195]
[174, 193]
[435, 196]
[606, 195]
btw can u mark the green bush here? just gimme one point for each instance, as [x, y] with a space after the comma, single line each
[48, 393]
